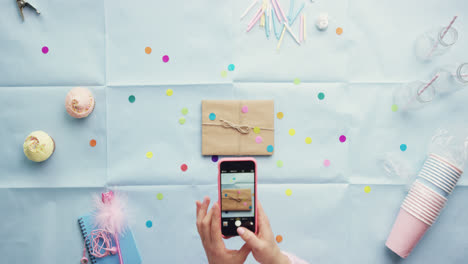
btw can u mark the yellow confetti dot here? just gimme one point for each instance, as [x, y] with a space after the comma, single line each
[394, 108]
[224, 74]
[308, 140]
[280, 115]
[182, 120]
[257, 130]
[288, 192]
[149, 154]
[367, 189]
[292, 132]
[169, 92]
[339, 31]
[279, 163]
[160, 196]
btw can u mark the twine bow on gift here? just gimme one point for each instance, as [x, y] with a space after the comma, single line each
[243, 129]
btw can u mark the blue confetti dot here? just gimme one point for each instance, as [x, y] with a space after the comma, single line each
[231, 67]
[225, 195]
[403, 147]
[212, 116]
[250, 207]
[234, 178]
[149, 224]
[270, 148]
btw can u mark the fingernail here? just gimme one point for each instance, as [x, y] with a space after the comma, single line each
[240, 231]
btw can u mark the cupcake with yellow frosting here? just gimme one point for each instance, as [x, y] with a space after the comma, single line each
[38, 146]
[79, 102]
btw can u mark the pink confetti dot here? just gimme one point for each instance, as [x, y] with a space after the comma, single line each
[342, 138]
[245, 109]
[326, 163]
[259, 139]
[165, 58]
[245, 203]
[45, 50]
[184, 167]
[238, 192]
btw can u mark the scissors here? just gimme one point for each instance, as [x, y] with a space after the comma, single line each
[22, 4]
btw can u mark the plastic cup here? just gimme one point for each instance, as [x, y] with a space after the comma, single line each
[406, 233]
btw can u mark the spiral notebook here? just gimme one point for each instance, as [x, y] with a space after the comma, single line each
[130, 254]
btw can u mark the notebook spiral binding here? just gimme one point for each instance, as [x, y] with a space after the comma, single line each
[85, 237]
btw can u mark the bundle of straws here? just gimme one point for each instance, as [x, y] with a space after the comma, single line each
[275, 17]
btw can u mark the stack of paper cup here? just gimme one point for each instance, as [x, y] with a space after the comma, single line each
[422, 205]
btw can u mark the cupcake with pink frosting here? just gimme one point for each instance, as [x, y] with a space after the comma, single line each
[79, 102]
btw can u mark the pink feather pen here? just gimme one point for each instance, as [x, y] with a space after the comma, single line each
[110, 215]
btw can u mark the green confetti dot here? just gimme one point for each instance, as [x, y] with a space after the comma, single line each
[279, 163]
[182, 120]
[224, 74]
[160, 196]
[131, 98]
[321, 96]
[297, 81]
[394, 108]
[184, 111]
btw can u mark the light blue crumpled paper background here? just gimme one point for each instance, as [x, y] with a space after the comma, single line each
[327, 219]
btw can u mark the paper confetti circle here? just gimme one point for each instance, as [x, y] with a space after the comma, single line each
[403, 147]
[149, 154]
[224, 74]
[339, 31]
[321, 96]
[184, 167]
[259, 139]
[165, 58]
[297, 81]
[308, 140]
[149, 224]
[160, 196]
[279, 164]
[245, 109]
[256, 130]
[367, 189]
[212, 116]
[169, 92]
[182, 120]
[184, 111]
[214, 158]
[231, 67]
[394, 108]
[292, 132]
[270, 148]
[279, 238]
[288, 192]
[92, 142]
[131, 99]
[148, 50]
[326, 163]
[45, 49]
[342, 138]
[280, 115]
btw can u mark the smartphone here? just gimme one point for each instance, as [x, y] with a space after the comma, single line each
[237, 185]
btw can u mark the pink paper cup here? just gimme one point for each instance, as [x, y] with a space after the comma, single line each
[406, 233]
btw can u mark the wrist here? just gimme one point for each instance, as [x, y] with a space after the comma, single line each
[279, 258]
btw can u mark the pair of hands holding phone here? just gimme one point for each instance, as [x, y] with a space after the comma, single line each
[262, 246]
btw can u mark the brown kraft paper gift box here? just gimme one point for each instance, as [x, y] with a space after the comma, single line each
[232, 131]
[236, 200]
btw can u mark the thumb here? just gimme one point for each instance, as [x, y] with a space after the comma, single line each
[250, 238]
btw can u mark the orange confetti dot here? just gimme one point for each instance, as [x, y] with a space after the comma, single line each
[280, 115]
[148, 50]
[92, 142]
[279, 238]
[339, 31]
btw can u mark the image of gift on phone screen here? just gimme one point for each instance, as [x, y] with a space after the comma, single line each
[237, 194]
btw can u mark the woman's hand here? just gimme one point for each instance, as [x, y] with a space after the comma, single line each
[264, 247]
[209, 228]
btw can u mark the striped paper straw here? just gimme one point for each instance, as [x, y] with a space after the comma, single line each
[255, 19]
[248, 9]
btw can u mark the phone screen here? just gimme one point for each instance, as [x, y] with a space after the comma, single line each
[237, 196]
